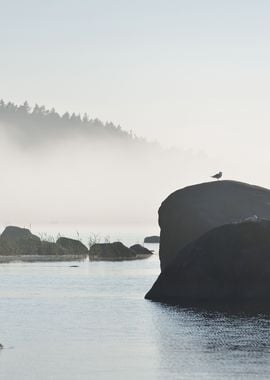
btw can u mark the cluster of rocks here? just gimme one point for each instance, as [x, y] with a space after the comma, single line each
[16, 241]
[214, 244]
[118, 251]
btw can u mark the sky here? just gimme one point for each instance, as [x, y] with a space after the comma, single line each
[189, 74]
[185, 73]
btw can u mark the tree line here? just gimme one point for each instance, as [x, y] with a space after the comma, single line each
[38, 122]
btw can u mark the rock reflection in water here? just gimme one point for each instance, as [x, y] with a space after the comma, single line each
[213, 342]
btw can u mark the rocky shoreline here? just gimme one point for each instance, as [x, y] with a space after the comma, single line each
[19, 244]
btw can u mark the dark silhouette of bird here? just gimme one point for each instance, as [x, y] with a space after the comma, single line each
[217, 176]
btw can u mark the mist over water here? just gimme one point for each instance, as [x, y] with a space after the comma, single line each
[69, 177]
[72, 169]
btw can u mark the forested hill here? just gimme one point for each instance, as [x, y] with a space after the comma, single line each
[27, 125]
[69, 168]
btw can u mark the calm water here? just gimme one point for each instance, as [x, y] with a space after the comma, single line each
[92, 322]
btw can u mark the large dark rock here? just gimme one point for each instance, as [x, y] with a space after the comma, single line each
[140, 250]
[190, 212]
[17, 233]
[111, 251]
[18, 241]
[228, 263]
[75, 247]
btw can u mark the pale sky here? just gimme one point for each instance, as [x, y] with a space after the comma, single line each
[192, 73]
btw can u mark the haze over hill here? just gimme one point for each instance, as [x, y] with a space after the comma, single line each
[74, 169]
[31, 128]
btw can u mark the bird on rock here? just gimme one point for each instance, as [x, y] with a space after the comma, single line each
[217, 176]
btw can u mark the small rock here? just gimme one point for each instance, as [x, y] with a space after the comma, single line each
[140, 250]
[75, 247]
[111, 251]
[152, 239]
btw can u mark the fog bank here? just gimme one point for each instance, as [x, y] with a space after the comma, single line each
[75, 180]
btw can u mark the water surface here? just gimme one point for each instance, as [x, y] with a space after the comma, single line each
[92, 322]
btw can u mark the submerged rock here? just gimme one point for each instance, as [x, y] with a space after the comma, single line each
[228, 263]
[140, 250]
[190, 212]
[75, 247]
[152, 239]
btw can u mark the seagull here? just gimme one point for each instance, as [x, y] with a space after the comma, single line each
[217, 176]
